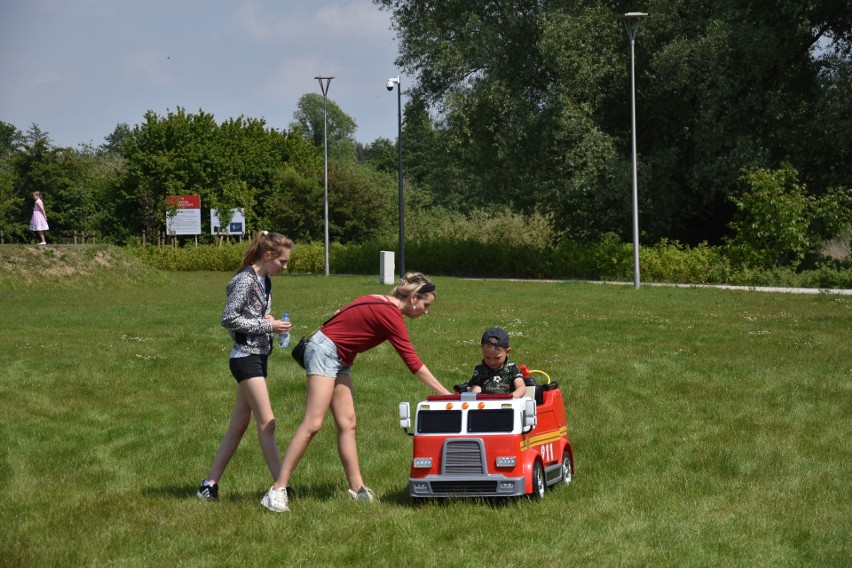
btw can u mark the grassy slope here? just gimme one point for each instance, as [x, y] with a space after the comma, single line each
[710, 427]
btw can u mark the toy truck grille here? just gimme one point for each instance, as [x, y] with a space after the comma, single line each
[465, 488]
[463, 457]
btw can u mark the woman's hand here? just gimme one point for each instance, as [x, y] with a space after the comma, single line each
[279, 326]
[428, 379]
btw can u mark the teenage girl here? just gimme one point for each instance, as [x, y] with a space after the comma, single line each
[329, 356]
[246, 317]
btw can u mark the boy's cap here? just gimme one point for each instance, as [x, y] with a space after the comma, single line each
[495, 337]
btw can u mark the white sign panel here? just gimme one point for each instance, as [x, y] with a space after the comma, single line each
[185, 218]
[237, 226]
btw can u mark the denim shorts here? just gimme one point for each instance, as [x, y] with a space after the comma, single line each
[321, 357]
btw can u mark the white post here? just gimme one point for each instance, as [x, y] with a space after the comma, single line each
[386, 268]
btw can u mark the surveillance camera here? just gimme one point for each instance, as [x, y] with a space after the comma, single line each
[390, 85]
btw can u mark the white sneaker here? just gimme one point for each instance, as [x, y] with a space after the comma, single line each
[363, 494]
[275, 500]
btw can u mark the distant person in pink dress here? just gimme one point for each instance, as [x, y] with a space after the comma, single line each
[38, 222]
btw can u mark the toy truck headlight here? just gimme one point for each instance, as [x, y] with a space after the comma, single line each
[404, 415]
[505, 461]
[423, 463]
[530, 418]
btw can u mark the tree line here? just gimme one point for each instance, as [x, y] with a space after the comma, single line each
[516, 106]
[533, 106]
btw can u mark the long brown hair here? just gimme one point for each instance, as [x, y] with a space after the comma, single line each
[265, 242]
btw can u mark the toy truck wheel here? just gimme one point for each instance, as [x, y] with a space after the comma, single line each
[538, 481]
[567, 468]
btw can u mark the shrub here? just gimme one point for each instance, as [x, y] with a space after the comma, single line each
[671, 261]
[668, 261]
[188, 258]
[614, 259]
[778, 224]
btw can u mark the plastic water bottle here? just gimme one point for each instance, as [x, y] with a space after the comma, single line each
[284, 338]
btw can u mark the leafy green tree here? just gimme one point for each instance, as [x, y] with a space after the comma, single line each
[381, 154]
[419, 137]
[11, 201]
[10, 139]
[309, 119]
[114, 140]
[778, 224]
[238, 164]
[63, 176]
[361, 202]
[532, 100]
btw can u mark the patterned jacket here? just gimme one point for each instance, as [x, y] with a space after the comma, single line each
[244, 311]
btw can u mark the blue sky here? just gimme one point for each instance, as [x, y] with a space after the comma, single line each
[77, 68]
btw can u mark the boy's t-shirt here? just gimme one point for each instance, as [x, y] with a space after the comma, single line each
[500, 380]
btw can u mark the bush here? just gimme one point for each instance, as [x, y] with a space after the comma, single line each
[668, 261]
[614, 259]
[779, 224]
[671, 261]
[188, 258]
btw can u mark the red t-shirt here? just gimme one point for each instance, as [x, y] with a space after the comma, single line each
[362, 327]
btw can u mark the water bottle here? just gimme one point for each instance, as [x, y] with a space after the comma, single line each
[284, 338]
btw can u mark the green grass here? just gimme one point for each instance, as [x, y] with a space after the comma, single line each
[710, 428]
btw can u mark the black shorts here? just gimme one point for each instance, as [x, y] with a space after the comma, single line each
[247, 367]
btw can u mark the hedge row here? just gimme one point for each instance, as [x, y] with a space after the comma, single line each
[608, 260]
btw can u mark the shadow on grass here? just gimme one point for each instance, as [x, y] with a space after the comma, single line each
[333, 491]
[403, 498]
[325, 491]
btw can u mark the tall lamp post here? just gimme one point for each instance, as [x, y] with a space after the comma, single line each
[324, 89]
[631, 24]
[391, 82]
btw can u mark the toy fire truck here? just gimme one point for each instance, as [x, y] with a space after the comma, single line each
[489, 445]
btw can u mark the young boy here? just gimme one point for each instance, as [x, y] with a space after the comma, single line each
[496, 374]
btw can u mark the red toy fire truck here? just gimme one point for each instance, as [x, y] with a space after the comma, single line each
[489, 445]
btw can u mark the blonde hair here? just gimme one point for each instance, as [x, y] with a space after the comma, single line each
[413, 283]
[265, 242]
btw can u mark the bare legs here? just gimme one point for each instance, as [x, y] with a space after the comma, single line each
[343, 411]
[252, 398]
[322, 394]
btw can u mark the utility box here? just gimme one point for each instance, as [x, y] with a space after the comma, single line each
[386, 267]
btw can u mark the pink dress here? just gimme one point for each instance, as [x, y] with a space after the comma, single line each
[38, 221]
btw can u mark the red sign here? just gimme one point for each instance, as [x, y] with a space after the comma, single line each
[183, 215]
[184, 201]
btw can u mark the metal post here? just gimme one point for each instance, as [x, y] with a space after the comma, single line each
[324, 89]
[401, 194]
[391, 82]
[631, 24]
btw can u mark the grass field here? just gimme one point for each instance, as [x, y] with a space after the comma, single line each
[710, 428]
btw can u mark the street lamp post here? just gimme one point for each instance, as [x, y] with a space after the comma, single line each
[631, 24]
[324, 89]
[391, 82]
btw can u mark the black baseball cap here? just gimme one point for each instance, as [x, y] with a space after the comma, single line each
[495, 337]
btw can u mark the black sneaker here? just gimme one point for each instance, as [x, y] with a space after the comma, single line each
[208, 491]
